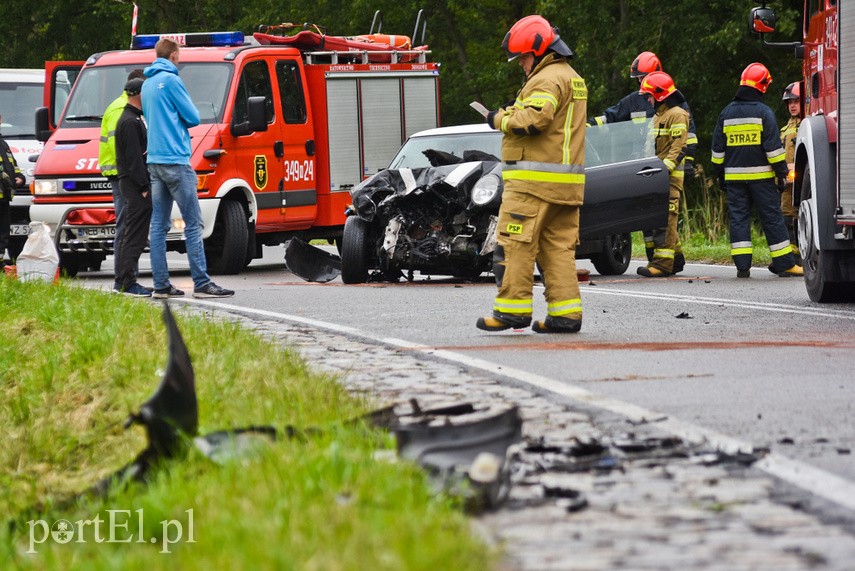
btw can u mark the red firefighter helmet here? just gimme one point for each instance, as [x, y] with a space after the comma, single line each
[792, 92]
[757, 76]
[644, 64]
[534, 35]
[658, 84]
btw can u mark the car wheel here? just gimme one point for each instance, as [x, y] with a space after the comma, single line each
[70, 265]
[226, 249]
[615, 256]
[354, 251]
[814, 260]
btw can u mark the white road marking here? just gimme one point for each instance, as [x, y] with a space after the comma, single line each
[809, 478]
[776, 307]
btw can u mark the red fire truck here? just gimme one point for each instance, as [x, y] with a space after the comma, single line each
[824, 190]
[288, 127]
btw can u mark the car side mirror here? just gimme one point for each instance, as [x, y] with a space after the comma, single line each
[256, 117]
[762, 20]
[43, 124]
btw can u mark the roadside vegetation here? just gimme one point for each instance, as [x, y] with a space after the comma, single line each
[76, 362]
[704, 226]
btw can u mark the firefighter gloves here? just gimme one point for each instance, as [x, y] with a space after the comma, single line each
[490, 117]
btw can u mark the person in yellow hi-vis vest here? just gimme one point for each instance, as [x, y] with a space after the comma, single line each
[670, 131]
[543, 168]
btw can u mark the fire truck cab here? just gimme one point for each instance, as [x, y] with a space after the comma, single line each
[824, 183]
[285, 133]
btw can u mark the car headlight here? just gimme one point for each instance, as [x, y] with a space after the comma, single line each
[486, 189]
[45, 186]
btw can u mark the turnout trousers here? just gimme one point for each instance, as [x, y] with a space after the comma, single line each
[666, 241]
[529, 230]
[763, 194]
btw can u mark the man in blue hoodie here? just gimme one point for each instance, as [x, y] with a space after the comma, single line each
[170, 112]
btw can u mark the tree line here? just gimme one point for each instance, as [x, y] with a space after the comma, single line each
[703, 44]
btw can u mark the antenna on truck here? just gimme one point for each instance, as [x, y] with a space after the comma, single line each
[378, 19]
[423, 22]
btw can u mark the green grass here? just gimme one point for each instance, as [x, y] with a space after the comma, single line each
[75, 362]
[699, 248]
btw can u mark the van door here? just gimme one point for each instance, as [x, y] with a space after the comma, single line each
[59, 79]
[299, 191]
[257, 152]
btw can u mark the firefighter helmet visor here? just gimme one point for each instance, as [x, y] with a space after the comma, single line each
[792, 92]
[533, 34]
[658, 84]
[645, 63]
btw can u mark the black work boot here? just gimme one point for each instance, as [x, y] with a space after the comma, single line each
[557, 325]
[679, 263]
[505, 321]
[651, 272]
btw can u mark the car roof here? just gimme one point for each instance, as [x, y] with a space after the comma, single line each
[456, 130]
[15, 75]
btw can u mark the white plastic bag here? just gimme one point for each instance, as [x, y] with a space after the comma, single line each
[39, 259]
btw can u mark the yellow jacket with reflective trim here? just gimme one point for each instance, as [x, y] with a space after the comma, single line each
[107, 148]
[671, 129]
[543, 150]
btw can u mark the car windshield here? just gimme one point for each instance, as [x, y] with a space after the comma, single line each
[97, 87]
[604, 144]
[18, 102]
[412, 155]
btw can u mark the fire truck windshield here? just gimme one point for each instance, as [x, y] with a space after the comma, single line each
[98, 86]
[18, 102]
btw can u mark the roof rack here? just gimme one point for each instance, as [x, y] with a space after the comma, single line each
[348, 56]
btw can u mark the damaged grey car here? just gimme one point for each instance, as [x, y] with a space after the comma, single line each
[435, 209]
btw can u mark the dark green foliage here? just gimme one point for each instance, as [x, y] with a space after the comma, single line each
[703, 44]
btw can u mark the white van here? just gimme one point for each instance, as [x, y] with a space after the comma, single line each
[21, 92]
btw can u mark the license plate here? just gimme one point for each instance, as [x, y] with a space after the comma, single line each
[19, 229]
[97, 232]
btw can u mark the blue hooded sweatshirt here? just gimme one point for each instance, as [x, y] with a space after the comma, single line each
[169, 113]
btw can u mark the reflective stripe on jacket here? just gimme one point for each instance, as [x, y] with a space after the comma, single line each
[543, 150]
[746, 145]
[634, 107]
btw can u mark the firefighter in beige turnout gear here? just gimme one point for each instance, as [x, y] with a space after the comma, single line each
[544, 178]
[670, 130]
[788, 140]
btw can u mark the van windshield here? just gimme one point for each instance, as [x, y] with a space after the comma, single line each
[97, 87]
[18, 102]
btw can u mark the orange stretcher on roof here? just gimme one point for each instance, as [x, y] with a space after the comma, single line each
[312, 37]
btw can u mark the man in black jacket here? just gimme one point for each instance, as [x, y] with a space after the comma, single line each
[134, 184]
[11, 178]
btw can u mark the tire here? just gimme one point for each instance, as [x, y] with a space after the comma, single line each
[70, 265]
[615, 257]
[354, 251]
[814, 260]
[226, 249]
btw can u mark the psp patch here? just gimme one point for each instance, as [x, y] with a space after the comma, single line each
[260, 172]
[514, 228]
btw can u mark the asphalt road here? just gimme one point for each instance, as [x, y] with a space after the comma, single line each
[752, 360]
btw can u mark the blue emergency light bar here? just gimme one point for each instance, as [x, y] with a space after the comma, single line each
[147, 41]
